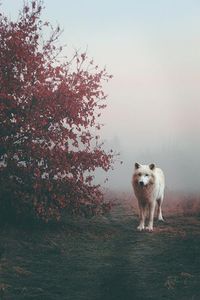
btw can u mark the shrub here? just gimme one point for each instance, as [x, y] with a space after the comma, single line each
[49, 122]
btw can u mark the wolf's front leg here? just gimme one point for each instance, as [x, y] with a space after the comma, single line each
[142, 218]
[152, 206]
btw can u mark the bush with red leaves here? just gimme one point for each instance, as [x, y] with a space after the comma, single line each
[49, 120]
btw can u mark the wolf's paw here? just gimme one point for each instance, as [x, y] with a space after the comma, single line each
[149, 228]
[161, 220]
[140, 227]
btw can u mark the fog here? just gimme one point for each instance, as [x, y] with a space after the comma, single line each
[157, 121]
[179, 162]
[153, 50]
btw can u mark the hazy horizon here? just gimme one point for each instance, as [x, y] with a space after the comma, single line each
[153, 50]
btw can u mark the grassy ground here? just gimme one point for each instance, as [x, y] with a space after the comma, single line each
[103, 258]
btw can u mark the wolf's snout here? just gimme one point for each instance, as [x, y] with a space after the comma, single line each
[141, 183]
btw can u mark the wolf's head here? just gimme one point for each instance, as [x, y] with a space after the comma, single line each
[144, 174]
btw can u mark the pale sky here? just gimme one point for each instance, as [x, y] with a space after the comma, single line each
[153, 50]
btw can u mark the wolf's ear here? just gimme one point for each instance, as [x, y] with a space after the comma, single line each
[137, 166]
[152, 166]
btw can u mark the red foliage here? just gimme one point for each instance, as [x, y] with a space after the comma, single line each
[49, 109]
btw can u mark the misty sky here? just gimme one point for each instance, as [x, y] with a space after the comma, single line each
[153, 50]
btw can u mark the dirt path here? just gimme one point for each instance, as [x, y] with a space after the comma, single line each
[159, 265]
[104, 258]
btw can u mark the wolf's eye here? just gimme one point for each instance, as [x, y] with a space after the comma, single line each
[139, 174]
[147, 175]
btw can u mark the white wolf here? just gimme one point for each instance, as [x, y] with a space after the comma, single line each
[148, 184]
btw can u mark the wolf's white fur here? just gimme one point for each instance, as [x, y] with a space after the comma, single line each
[148, 184]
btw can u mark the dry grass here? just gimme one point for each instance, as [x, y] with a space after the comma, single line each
[105, 257]
[174, 203]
